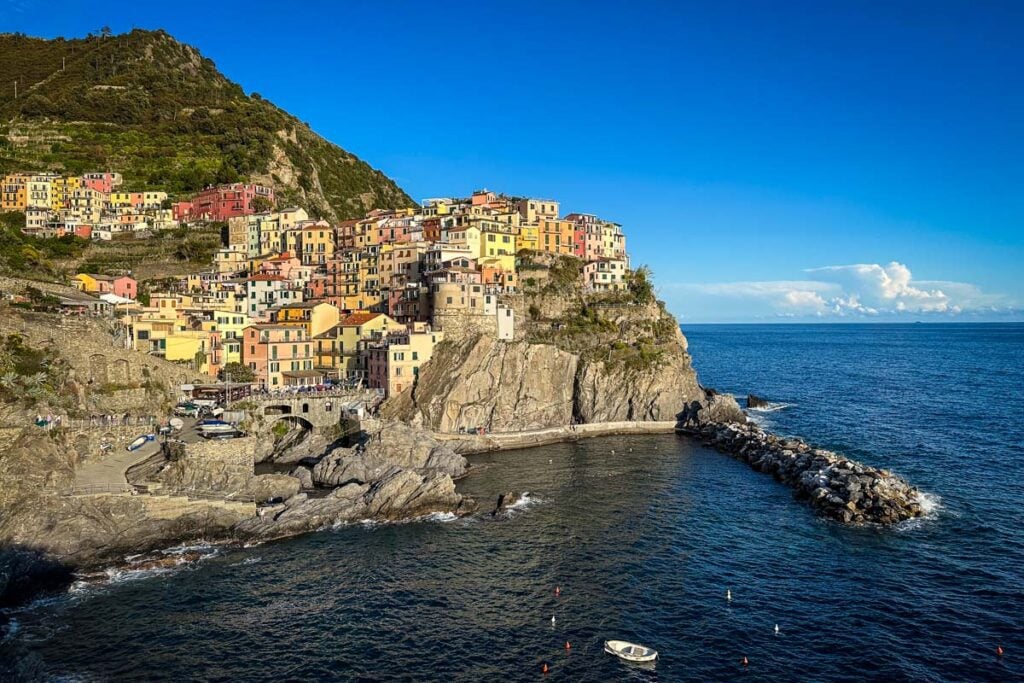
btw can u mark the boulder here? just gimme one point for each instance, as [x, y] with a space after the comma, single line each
[305, 477]
[713, 409]
[755, 401]
[505, 501]
[268, 487]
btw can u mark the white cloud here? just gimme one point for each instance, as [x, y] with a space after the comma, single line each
[862, 290]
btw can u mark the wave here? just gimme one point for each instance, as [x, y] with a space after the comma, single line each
[772, 407]
[930, 503]
[147, 565]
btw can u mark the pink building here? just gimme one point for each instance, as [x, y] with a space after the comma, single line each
[101, 182]
[222, 202]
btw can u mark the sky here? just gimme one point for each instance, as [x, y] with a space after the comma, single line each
[770, 161]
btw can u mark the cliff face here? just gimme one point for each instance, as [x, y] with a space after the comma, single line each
[621, 363]
[484, 382]
[613, 393]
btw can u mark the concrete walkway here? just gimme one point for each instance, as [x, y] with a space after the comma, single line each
[109, 473]
[499, 441]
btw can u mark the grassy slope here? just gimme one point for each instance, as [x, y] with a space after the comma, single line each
[162, 114]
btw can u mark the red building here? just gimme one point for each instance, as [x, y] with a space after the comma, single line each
[222, 202]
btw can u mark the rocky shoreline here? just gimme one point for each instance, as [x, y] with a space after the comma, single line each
[836, 487]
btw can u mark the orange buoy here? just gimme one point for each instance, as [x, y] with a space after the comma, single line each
[999, 650]
[558, 590]
[744, 661]
[568, 646]
[544, 669]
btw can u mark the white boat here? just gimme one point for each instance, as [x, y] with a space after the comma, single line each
[222, 428]
[139, 442]
[631, 652]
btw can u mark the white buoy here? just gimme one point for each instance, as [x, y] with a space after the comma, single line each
[728, 595]
[776, 629]
[552, 619]
[613, 452]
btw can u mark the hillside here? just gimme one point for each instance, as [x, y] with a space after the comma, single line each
[162, 114]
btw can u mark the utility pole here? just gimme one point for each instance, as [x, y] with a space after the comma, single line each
[62, 63]
[15, 89]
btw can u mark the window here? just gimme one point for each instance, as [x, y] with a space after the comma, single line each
[415, 355]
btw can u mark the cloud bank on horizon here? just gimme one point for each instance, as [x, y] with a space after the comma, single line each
[868, 291]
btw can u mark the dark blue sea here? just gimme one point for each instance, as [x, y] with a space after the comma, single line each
[643, 536]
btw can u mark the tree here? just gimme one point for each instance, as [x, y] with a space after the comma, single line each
[260, 204]
[237, 372]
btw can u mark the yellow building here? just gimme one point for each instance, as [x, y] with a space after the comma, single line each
[86, 283]
[40, 188]
[394, 365]
[556, 236]
[337, 349]
[497, 243]
[528, 237]
[14, 192]
[61, 191]
[230, 325]
[318, 244]
[315, 317]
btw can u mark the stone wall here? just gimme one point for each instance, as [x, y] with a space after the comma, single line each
[215, 466]
[459, 326]
[104, 376]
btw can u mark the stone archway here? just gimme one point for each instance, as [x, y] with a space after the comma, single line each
[289, 432]
[283, 409]
[119, 371]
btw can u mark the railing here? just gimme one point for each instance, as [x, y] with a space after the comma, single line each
[98, 422]
[296, 395]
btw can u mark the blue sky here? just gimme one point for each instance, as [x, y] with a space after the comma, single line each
[769, 160]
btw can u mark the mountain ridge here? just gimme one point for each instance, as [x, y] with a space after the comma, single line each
[158, 111]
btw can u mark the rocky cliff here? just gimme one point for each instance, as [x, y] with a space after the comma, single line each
[599, 361]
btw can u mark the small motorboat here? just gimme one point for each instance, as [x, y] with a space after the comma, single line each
[631, 652]
[216, 427]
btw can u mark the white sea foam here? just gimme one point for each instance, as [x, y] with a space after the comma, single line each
[772, 407]
[930, 503]
[439, 517]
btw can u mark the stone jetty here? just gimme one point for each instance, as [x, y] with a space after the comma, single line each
[837, 487]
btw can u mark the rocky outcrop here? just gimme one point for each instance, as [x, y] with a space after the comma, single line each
[838, 488]
[754, 401]
[397, 494]
[393, 444]
[270, 487]
[711, 408]
[505, 501]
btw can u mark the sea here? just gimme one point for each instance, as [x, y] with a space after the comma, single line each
[636, 539]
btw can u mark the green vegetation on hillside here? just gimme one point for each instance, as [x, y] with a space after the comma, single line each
[24, 255]
[160, 113]
[29, 375]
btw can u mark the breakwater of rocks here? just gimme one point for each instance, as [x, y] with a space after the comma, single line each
[838, 488]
